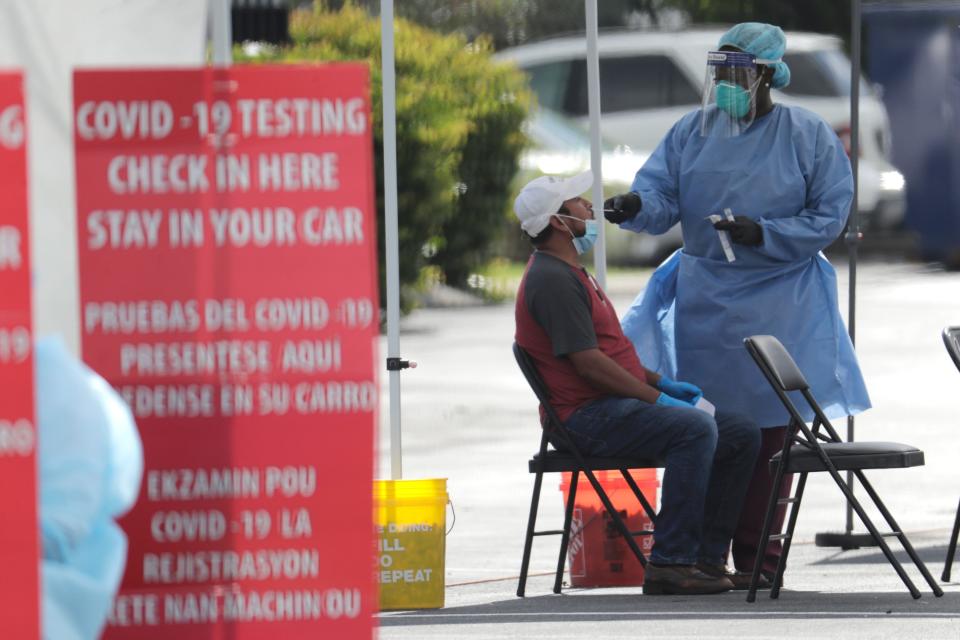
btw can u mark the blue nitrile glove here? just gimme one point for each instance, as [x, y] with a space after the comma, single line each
[682, 390]
[666, 400]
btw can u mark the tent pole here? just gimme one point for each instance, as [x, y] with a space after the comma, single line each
[391, 228]
[853, 238]
[596, 154]
[221, 36]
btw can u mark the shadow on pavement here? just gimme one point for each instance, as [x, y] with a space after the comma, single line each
[932, 556]
[583, 607]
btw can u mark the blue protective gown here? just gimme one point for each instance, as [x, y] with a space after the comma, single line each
[788, 172]
[90, 462]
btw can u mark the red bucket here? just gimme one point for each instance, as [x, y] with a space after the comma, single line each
[598, 556]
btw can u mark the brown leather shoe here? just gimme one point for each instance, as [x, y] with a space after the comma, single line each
[739, 579]
[681, 580]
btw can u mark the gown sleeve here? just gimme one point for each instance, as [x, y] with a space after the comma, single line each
[829, 192]
[657, 182]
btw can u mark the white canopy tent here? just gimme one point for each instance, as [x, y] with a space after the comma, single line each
[44, 40]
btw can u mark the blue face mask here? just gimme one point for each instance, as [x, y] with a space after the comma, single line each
[588, 239]
[733, 99]
[582, 243]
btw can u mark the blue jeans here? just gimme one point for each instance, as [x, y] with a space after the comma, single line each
[709, 463]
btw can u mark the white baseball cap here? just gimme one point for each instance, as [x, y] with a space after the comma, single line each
[543, 197]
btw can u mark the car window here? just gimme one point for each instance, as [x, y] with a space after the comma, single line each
[823, 73]
[629, 83]
[808, 77]
[549, 83]
[839, 65]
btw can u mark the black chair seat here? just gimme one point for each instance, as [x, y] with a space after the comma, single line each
[555, 461]
[852, 455]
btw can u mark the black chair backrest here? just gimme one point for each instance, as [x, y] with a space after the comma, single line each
[951, 338]
[778, 361]
[782, 373]
[536, 383]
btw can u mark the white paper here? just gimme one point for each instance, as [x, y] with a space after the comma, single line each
[705, 405]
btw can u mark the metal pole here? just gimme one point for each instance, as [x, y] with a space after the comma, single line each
[221, 35]
[853, 237]
[391, 227]
[593, 103]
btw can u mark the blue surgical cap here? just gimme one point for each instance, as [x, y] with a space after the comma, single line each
[764, 41]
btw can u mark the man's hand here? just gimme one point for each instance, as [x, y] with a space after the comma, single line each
[665, 400]
[622, 207]
[742, 230]
[681, 390]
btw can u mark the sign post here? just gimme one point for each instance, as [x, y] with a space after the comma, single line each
[19, 553]
[227, 249]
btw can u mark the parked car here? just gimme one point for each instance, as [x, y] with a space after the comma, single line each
[560, 146]
[648, 80]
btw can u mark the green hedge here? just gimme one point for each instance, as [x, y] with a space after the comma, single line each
[459, 135]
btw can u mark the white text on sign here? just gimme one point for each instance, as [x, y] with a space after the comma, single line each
[10, 248]
[266, 399]
[11, 126]
[239, 227]
[134, 610]
[260, 118]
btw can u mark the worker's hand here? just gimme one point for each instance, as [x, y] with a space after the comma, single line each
[622, 207]
[680, 390]
[666, 400]
[742, 230]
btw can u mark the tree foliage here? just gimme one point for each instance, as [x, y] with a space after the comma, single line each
[824, 16]
[513, 22]
[459, 135]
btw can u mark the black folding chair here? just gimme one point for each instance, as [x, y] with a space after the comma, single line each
[570, 459]
[951, 338]
[807, 450]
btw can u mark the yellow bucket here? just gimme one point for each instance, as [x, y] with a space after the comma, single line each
[410, 516]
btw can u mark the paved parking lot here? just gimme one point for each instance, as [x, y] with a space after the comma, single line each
[468, 416]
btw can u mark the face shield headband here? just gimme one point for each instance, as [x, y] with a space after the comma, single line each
[729, 104]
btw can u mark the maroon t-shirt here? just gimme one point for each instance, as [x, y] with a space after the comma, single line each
[561, 310]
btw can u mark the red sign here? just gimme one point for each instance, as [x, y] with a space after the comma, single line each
[19, 554]
[227, 248]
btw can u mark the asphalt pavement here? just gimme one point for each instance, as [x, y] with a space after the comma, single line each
[468, 416]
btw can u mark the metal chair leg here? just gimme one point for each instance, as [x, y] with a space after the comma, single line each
[765, 533]
[528, 543]
[892, 523]
[565, 536]
[952, 549]
[794, 504]
[868, 523]
[651, 513]
[617, 520]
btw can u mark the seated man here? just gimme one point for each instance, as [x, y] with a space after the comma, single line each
[612, 406]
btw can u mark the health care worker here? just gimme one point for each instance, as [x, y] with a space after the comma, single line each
[90, 463]
[776, 181]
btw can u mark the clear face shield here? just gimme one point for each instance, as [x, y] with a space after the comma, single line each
[729, 103]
